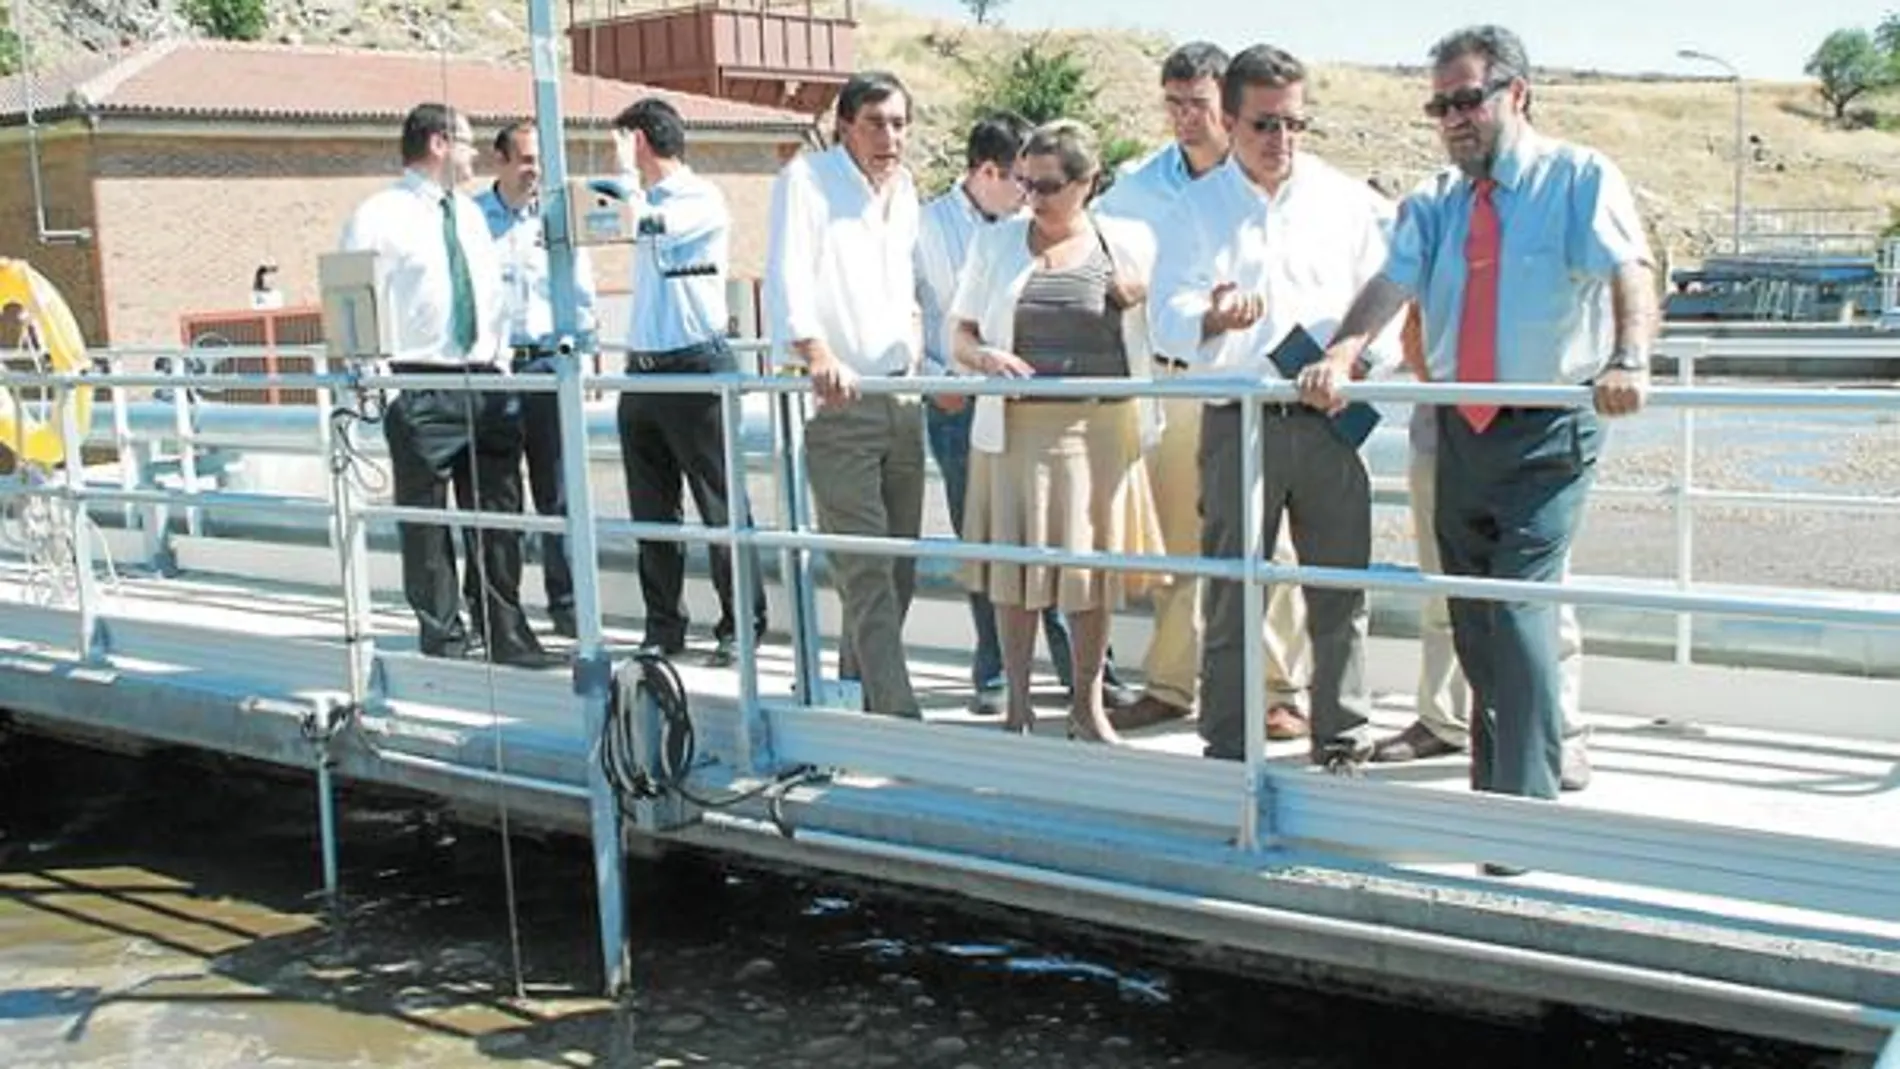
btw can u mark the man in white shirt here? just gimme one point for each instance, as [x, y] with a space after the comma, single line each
[1148, 193]
[512, 206]
[679, 327]
[442, 278]
[1272, 241]
[841, 297]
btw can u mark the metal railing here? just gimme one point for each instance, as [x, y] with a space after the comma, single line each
[1265, 808]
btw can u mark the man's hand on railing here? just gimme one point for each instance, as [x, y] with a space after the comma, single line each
[832, 380]
[1322, 381]
[1622, 393]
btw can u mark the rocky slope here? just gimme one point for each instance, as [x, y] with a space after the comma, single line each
[1674, 138]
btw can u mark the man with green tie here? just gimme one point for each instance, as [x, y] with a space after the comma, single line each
[441, 280]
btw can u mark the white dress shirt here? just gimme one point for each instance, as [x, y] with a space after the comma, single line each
[949, 223]
[526, 283]
[838, 264]
[403, 224]
[695, 231]
[1306, 249]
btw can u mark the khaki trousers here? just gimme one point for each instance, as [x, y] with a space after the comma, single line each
[1444, 699]
[865, 462]
[1173, 665]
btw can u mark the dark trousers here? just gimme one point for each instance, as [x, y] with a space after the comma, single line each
[471, 441]
[667, 439]
[1509, 501]
[1321, 484]
[541, 439]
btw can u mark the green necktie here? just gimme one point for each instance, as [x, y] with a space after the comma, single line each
[462, 308]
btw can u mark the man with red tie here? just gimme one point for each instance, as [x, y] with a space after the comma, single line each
[1529, 263]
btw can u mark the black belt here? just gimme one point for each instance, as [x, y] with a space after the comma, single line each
[1170, 363]
[525, 353]
[409, 367]
[705, 357]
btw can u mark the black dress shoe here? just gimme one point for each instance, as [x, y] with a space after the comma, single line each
[534, 658]
[1415, 743]
[1504, 872]
[562, 621]
[725, 654]
[653, 647]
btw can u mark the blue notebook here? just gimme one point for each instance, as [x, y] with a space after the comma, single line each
[1355, 422]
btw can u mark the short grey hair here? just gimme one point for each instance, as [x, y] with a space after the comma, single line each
[1072, 143]
[1501, 50]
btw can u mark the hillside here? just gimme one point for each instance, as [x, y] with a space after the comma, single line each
[1673, 138]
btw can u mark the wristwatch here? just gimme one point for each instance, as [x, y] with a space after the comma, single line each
[1627, 360]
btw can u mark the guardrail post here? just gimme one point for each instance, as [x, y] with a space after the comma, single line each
[754, 744]
[1684, 501]
[72, 444]
[1254, 606]
[349, 533]
[795, 564]
[131, 471]
[593, 674]
[186, 429]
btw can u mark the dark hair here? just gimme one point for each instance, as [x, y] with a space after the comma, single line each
[423, 122]
[1259, 65]
[996, 138]
[869, 87]
[505, 138]
[659, 122]
[1501, 50]
[1193, 61]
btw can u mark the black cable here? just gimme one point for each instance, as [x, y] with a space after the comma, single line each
[679, 745]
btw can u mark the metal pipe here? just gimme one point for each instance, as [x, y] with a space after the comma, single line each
[754, 745]
[1685, 514]
[84, 586]
[488, 776]
[326, 830]
[1253, 603]
[1890, 1054]
[43, 234]
[1838, 1012]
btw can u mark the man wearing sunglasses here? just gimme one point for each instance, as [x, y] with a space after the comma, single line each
[1148, 193]
[1275, 241]
[1530, 265]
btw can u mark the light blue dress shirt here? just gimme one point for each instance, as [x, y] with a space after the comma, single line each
[1569, 223]
[1148, 190]
[694, 230]
[527, 286]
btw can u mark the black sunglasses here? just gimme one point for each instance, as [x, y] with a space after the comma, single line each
[1046, 187]
[1468, 99]
[1273, 124]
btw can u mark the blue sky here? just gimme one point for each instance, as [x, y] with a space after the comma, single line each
[1767, 39]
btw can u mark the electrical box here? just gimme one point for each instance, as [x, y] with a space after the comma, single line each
[356, 314]
[600, 211]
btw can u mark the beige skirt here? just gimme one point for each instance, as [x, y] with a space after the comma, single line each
[1070, 477]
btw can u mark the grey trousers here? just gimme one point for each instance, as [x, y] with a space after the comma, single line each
[865, 461]
[1321, 484]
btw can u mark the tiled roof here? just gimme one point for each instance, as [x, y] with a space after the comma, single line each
[234, 81]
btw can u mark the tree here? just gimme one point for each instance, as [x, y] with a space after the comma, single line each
[983, 11]
[233, 20]
[12, 51]
[1849, 63]
[1043, 84]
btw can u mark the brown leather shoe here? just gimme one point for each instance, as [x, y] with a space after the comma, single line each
[1145, 713]
[1415, 743]
[1284, 722]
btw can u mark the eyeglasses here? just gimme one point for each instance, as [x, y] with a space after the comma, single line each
[1470, 98]
[1045, 187]
[1273, 124]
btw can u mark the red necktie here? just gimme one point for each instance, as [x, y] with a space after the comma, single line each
[1478, 326]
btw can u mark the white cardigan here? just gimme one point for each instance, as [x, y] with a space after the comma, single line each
[997, 267]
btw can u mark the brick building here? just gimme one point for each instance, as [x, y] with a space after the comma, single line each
[192, 163]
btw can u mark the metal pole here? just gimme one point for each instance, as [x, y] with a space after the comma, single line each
[1740, 160]
[593, 675]
[349, 533]
[326, 830]
[754, 745]
[71, 442]
[187, 444]
[1253, 601]
[1685, 508]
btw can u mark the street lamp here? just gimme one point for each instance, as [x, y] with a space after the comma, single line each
[1692, 54]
